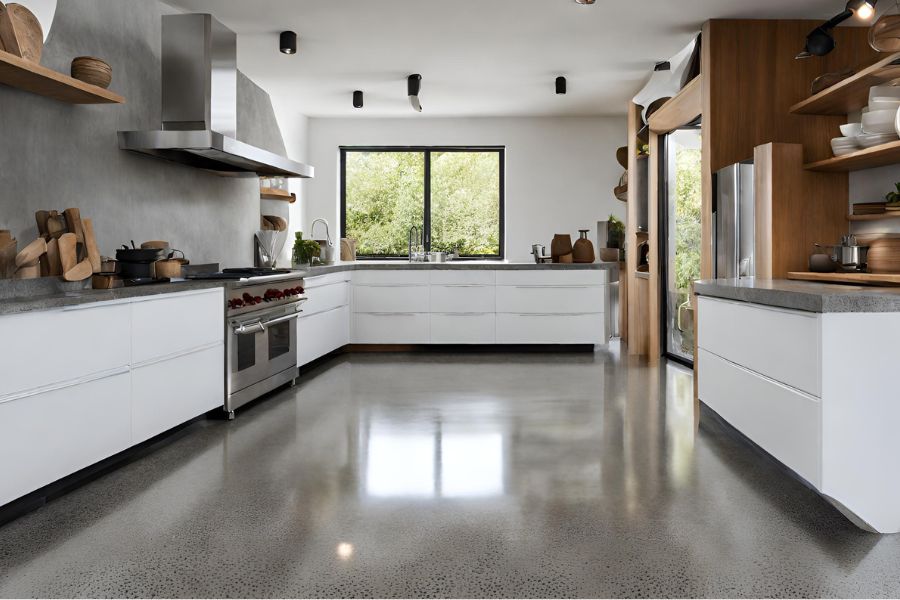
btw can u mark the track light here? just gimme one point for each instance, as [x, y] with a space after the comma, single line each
[413, 87]
[561, 85]
[863, 9]
[288, 42]
[584, 2]
[358, 99]
[820, 42]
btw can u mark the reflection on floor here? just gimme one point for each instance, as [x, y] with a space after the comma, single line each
[452, 475]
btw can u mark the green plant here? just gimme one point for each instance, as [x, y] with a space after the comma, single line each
[894, 196]
[305, 250]
[615, 232]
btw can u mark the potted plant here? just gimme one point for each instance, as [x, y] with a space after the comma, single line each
[304, 250]
[615, 232]
[893, 198]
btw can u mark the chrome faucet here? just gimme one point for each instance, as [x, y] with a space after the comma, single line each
[414, 240]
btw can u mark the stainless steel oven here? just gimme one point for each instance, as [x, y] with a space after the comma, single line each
[261, 338]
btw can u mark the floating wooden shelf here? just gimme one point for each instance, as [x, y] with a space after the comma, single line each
[29, 76]
[883, 279]
[276, 194]
[681, 109]
[851, 94]
[868, 158]
[891, 214]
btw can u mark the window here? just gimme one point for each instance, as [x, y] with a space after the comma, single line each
[454, 195]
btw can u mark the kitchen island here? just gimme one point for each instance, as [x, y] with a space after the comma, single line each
[804, 370]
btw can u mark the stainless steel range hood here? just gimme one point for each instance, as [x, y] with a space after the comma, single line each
[199, 105]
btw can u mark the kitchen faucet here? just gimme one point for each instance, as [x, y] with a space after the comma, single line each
[414, 239]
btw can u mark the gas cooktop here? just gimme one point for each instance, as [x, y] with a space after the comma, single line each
[241, 273]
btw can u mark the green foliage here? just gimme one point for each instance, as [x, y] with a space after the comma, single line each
[893, 197]
[385, 197]
[687, 218]
[305, 250]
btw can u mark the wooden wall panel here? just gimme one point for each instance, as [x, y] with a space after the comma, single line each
[637, 342]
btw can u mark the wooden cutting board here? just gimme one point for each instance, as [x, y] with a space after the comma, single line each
[74, 224]
[79, 272]
[68, 254]
[31, 253]
[90, 244]
[54, 267]
[21, 32]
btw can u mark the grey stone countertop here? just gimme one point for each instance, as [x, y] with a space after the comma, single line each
[486, 265]
[51, 293]
[808, 296]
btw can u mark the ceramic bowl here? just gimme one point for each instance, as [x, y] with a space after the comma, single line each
[884, 92]
[883, 103]
[879, 121]
[92, 70]
[851, 130]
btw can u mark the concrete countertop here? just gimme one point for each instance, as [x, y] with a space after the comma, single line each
[803, 295]
[486, 265]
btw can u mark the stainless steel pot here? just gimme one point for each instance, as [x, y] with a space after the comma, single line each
[848, 254]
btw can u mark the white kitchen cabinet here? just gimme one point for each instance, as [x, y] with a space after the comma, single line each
[173, 391]
[173, 323]
[531, 328]
[463, 298]
[551, 299]
[321, 333]
[391, 277]
[468, 328]
[326, 297]
[556, 276]
[50, 435]
[390, 299]
[390, 328]
[464, 277]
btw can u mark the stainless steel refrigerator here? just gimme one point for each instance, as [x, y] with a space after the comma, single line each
[735, 222]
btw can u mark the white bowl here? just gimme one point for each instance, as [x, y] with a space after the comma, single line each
[843, 145]
[879, 121]
[882, 103]
[867, 140]
[851, 129]
[884, 92]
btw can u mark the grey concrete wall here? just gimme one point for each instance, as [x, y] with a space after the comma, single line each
[55, 155]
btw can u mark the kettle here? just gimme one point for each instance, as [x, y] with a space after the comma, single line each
[538, 250]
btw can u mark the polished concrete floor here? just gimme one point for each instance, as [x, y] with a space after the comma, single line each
[452, 475]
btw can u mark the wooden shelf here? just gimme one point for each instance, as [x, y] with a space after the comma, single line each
[680, 110]
[851, 94]
[868, 158]
[891, 214]
[883, 279]
[29, 76]
[276, 194]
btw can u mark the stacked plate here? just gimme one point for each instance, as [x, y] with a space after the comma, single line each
[880, 123]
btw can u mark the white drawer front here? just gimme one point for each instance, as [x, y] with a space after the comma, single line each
[319, 334]
[168, 393]
[556, 276]
[551, 329]
[544, 299]
[784, 422]
[56, 346]
[326, 297]
[320, 280]
[462, 329]
[780, 344]
[390, 299]
[176, 323]
[463, 277]
[462, 298]
[46, 437]
[388, 277]
[390, 328]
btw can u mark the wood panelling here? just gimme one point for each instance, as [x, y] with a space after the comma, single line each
[851, 94]
[637, 341]
[680, 110]
[794, 210]
[652, 312]
[640, 334]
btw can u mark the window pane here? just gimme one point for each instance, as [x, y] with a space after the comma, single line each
[385, 197]
[465, 202]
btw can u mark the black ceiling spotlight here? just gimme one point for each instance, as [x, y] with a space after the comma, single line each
[288, 42]
[561, 85]
[413, 87]
[820, 42]
[358, 99]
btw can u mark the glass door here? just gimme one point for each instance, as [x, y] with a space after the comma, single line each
[681, 238]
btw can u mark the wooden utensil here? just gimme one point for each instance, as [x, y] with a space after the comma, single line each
[31, 253]
[54, 267]
[68, 254]
[21, 32]
[28, 272]
[884, 255]
[90, 245]
[79, 272]
[73, 221]
[8, 259]
[56, 224]
[106, 282]
[41, 217]
[5, 237]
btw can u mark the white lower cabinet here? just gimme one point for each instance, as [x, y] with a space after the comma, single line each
[530, 328]
[170, 392]
[390, 328]
[451, 328]
[321, 333]
[51, 435]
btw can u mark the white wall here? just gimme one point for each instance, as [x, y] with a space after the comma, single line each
[560, 172]
[295, 132]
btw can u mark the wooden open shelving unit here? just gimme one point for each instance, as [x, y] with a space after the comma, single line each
[895, 214]
[32, 77]
[868, 158]
[851, 94]
[276, 194]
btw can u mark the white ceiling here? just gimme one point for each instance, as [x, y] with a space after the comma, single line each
[476, 57]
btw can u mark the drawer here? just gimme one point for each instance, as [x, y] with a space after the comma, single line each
[326, 297]
[462, 329]
[390, 328]
[391, 277]
[171, 392]
[552, 299]
[463, 298]
[55, 346]
[319, 334]
[780, 344]
[46, 437]
[175, 323]
[785, 422]
[551, 329]
[329, 279]
[553, 276]
[463, 277]
[390, 299]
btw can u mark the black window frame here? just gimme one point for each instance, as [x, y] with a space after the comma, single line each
[427, 150]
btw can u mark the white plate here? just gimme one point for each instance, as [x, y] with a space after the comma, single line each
[851, 130]
[879, 121]
[884, 104]
[876, 139]
[884, 91]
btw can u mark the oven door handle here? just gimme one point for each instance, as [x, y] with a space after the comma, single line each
[289, 317]
[251, 328]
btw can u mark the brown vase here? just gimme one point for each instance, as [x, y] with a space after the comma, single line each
[583, 250]
[561, 245]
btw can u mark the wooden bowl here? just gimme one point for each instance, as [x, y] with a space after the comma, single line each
[884, 256]
[92, 70]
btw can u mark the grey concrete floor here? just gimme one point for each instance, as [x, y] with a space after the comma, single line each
[452, 475]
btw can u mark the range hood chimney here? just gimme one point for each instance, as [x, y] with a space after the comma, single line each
[199, 105]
